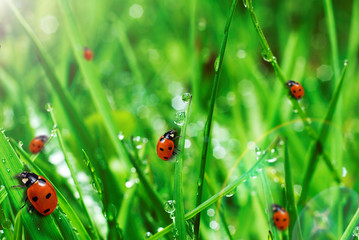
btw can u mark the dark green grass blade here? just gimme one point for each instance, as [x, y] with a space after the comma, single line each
[290, 199]
[208, 125]
[317, 146]
[95, 179]
[11, 167]
[230, 188]
[18, 226]
[4, 221]
[180, 222]
[62, 202]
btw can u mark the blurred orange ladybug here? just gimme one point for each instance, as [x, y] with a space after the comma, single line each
[37, 143]
[88, 54]
[280, 217]
[165, 146]
[40, 193]
[296, 89]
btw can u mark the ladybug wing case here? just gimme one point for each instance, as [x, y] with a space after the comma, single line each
[42, 196]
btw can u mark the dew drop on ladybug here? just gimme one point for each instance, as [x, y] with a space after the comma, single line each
[40, 192]
[166, 146]
[37, 144]
[280, 217]
[296, 89]
[88, 54]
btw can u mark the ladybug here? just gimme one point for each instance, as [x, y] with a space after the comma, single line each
[296, 89]
[40, 192]
[280, 217]
[165, 146]
[88, 54]
[37, 143]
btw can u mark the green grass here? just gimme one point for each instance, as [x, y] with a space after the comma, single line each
[105, 117]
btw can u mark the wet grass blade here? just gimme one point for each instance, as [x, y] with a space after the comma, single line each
[63, 203]
[11, 167]
[348, 233]
[317, 146]
[208, 125]
[18, 226]
[180, 223]
[95, 179]
[290, 199]
[57, 131]
[230, 188]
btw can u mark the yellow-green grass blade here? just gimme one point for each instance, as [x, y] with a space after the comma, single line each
[18, 226]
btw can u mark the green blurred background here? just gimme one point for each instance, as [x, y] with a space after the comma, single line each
[146, 55]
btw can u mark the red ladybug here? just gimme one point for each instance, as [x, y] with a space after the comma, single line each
[40, 192]
[88, 54]
[165, 146]
[280, 217]
[296, 89]
[37, 143]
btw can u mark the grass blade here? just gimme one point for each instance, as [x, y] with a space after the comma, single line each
[18, 226]
[317, 146]
[11, 167]
[57, 131]
[180, 222]
[230, 188]
[291, 205]
[3, 194]
[348, 233]
[208, 125]
[65, 206]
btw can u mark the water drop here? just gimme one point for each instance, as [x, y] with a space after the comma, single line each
[3, 161]
[356, 231]
[130, 183]
[231, 193]
[120, 136]
[245, 3]
[2, 130]
[112, 212]
[254, 176]
[211, 212]
[8, 169]
[6, 224]
[344, 171]
[346, 62]
[186, 97]
[21, 144]
[38, 229]
[170, 206]
[48, 107]
[148, 234]
[180, 116]
[274, 59]
[214, 225]
[216, 64]
[265, 56]
[159, 229]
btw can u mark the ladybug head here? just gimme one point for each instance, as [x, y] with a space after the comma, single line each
[276, 208]
[170, 134]
[28, 178]
[43, 138]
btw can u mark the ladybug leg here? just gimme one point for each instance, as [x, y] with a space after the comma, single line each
[24, 203]
[175, 150]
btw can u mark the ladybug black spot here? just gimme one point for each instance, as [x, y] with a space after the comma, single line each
[48, 195]
[169, 148]
[284, 219]
[277, 219]
[47, 210]
[300, 90]
[34, 199]
[161, 149]
[165, 157]
[281, 227]
[293, 91]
